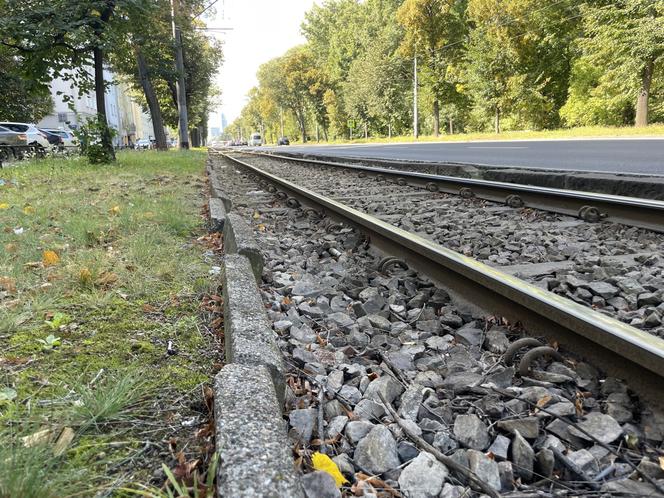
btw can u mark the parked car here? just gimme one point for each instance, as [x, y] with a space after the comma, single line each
[11, 142]
[69, 140]
[54, 140]
[143, 143]
[35, 137]
[255, 140]
[283, 141]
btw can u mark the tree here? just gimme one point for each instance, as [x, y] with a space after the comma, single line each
[22, 98]
[434, 31]
[626, 37]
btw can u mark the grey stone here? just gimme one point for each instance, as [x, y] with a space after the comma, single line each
[341, 320]
[496, 341]
[545, 462]
[303, 334]
[528, 427]
[379, 322]
[320, 484]
[333, 409]
[630, 286]
[506, 472]
[601, 426]
[369, 409]
[410, 402]
[249, 338]
[407, 451]
[523, 457]
[335, 426]
[311, 311]
[585, 460]
[357, 429]
[251, 439]
[345, 464]
[377, 452]
[350, 394]
[461, 381]
[303, 421]
[471, 432]
[423, 477]
[306, 288]
[485, 468]
[239, 239]
[444, 442]
[603, 289]
[452, 491]
[628, 487]
[499, 447]
[385, 385]
[282, 326]
[470, 337]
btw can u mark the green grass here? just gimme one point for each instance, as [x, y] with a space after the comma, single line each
[656, 130]
[128, 278]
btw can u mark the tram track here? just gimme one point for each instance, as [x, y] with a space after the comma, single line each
[615, 346]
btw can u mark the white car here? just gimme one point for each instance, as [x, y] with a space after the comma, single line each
[35, 137]
[255, 140]
[143, 143]
[69, 141]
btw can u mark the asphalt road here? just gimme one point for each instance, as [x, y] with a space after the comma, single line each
[612, 155]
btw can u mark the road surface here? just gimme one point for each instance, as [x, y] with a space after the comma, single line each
[612, 155]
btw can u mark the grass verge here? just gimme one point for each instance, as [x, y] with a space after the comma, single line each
[656, 130]
[104, 345]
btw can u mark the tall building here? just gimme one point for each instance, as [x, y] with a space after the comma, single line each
[224, 122]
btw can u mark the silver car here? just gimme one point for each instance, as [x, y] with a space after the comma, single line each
[12, 143]
[69, 141]
[35, 137]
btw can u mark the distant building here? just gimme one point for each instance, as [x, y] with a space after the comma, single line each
[224, 122]
[123, 115]
[215, 132]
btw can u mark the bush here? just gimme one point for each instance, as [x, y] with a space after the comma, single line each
[96, 140]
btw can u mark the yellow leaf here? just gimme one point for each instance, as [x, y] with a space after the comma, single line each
[28, 210]
[261, 227]
[50, 258]
[4, 205]
[256, 215]
[323, 462]
[543, 401]
[114, 210]
[661, 462]
[85, 277]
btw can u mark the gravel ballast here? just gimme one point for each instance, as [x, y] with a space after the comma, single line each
[354, 338]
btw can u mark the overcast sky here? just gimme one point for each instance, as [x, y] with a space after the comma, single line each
[262, 30]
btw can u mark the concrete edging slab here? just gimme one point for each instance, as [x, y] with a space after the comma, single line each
[239, 239]
[252, 443]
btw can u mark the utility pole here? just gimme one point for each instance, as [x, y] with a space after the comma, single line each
[415, 132]
[281, 119]
[180, 84]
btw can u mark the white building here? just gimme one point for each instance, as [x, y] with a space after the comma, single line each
[124, 115]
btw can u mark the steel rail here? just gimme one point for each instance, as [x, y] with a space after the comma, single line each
[618, 348]
[589, 206]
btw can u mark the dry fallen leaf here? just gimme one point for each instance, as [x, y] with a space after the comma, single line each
[661, 462]
[114, 210]
[10, 247]
[8, 284]
[39, 437]
[543, 401]
[106, 279]
[63, 441]
[28, 210]
[50, 258]
[4, 205]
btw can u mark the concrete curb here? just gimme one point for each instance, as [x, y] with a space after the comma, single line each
[251, 435]
[239, 239]
[252, 443]
[249, 338]
[625, 184]
[217, 214]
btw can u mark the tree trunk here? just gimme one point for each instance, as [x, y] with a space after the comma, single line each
[644, 94]
[151, 98]
[436, 118]
[497, 120]
[366, 131]
[100, 96]
[451, 126]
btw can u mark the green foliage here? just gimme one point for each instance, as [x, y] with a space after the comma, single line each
[483, 64]
[50, 343]
[23, 99]
[90, 135]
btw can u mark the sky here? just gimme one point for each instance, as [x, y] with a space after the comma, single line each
[261, 30]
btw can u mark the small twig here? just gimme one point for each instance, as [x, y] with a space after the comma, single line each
[444, 459]
[92, 382]
[321, 408]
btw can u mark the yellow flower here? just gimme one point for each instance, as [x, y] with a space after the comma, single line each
[50, 258]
